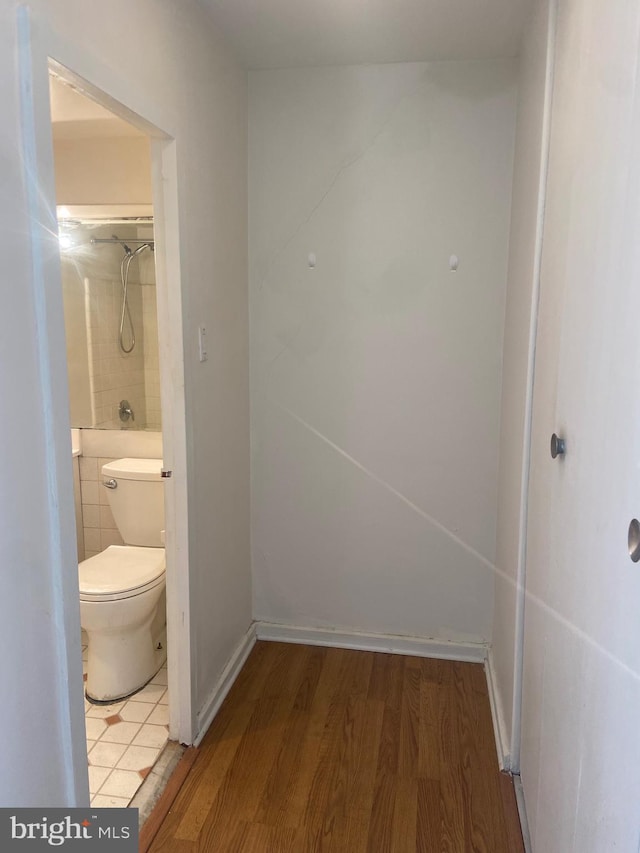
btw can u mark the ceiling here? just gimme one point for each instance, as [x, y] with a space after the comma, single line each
[74, 116]
[290, 33]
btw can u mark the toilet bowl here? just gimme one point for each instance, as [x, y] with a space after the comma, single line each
[122, 589]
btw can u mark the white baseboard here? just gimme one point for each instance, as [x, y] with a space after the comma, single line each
[217, 696]
[497, 715]
[396, 644]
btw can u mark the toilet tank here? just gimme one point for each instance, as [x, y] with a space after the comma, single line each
[136, 497]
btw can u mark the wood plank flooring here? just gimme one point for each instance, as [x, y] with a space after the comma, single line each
[323, 749]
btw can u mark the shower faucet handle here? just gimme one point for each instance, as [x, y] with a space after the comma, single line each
[125, 411]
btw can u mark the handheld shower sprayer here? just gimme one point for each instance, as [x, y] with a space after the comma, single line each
[126, 312]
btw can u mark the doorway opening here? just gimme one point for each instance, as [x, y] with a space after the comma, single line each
[117, 229]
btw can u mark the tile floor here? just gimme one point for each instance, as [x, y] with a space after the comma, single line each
[124, 740]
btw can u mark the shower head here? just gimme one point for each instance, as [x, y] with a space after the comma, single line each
[141, 248]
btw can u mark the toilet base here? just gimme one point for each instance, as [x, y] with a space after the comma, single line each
[121, 662]
[160, 660]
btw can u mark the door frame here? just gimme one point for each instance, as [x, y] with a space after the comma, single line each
[40, 49]
[525, 475]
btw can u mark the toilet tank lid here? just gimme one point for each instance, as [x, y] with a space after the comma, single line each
[133, 469]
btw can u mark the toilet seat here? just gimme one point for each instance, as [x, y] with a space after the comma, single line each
[121, 571]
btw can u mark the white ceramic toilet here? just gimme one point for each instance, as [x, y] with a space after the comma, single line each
[122, 590]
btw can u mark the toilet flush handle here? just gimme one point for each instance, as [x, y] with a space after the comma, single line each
[110, 484]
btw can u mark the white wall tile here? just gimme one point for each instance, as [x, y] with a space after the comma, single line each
[110, 537]
[90, 515]
[92, 540]
[88, 468]
[106, 519]
[90, 489]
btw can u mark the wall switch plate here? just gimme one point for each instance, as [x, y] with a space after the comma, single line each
[202, 343]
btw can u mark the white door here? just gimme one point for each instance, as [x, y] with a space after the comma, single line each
[580, 760]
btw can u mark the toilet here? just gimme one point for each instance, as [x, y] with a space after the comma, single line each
[122, 589]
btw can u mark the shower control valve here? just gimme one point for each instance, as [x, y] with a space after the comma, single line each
[125, 411]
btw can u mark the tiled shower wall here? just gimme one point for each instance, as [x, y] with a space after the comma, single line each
[114, 375]
[98, 448]
[147, 277]
[100, 373]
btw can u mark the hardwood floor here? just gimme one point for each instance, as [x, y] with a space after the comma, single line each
[322, 749]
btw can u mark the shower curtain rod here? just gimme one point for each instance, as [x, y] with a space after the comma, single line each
[123, 240]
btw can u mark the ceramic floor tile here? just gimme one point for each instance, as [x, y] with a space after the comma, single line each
[120, 733]
[138, 758]
[95, 727]
[124, 739]
[160, 677]
[121, 783]
[107, 754]
[136, 712]
[97, 775]
[159, 716]
[104, 711]
[151, 736]
[150, 693]
[100, 801]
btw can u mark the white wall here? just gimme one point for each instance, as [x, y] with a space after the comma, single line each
[521, 290]
[190, 86]
[376, 375]
[103, 171]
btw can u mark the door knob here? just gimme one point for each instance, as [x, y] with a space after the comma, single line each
[634, 540]
[558, 446]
